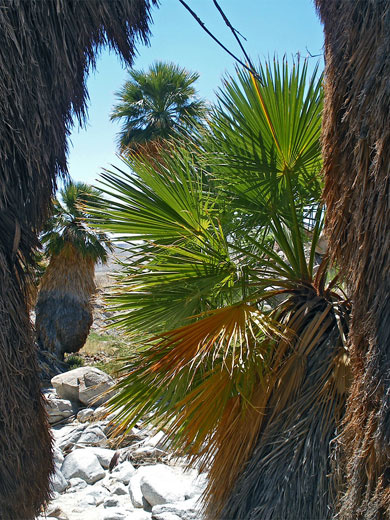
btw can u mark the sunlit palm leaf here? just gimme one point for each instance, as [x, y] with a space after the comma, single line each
[228, 224]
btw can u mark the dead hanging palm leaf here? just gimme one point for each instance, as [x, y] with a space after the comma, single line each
[356, 139]
[45, 53]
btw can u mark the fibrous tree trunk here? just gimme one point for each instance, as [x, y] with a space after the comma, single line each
[64, 306]
[289, 473]
[46, 49]
[25, 442]
[356, 145]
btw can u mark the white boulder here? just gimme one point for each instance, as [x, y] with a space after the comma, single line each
[118, 488]
[115, 514]
[70, 437]
[85, 414]
[83, 384]
[93, 384]
[161, 485]
[135, 492]
[93, 496]
[123, 472]
[166, 516]
[185, 510]
[58, 482]
[111, 502]
[83, 464]
[104, 455]
[76, 484]
[58, 409]
[92, 435]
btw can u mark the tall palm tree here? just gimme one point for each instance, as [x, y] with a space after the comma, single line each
[46, 51]
[64, 305]
[154, 104]
[246, 367]
[356, 139]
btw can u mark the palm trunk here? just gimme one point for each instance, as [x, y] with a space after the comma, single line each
[46, 50]
[25, 442]
[288, 474]
[64, 307]
[356, 145]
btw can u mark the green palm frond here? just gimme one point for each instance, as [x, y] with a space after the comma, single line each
[67, 224]
[222, 231]
[154, 104]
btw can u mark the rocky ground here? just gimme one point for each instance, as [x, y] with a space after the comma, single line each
[99, 478]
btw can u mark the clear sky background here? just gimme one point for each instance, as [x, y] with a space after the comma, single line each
[271, 27]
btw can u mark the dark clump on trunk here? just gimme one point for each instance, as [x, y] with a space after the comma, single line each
[356, 144]
[62, 325]
[46, 50]
[64, 306]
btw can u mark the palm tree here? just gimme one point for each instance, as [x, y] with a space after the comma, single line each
[46, 51]
[356, 146]
[64, 306]
[154, 104]
[246, 367]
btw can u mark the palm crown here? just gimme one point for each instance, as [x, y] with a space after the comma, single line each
[67, 224]
[154, 104]
[249, 351]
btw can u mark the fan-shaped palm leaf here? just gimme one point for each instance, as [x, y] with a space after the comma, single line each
[229, 231]
[154, 104]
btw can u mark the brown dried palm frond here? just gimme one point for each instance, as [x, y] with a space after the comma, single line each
[302, 405]
[356, 144]
[45, 53]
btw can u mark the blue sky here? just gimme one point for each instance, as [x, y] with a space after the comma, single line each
[270, 27]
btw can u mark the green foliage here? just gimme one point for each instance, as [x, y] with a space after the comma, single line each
[154, 104]
[222, 230]
[74, 361]
[67, 224]
[108, 351]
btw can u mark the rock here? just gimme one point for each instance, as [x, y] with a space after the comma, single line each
[58, 457]
[67, 384]
[71, 437]
[148, 452]
[83, 464]
[197, 486]
[54, 511]
[118, 489]
[58, 409]
[123, 472]
[76, 484]
[93, 496]
[160, 485]
[92, 385]
[135, 492]
[100, 413]
[166, 516]
[187, 510]
[83, 384]
[85, 414]
[58, 482]
[156, 441]
[139, 515]
[104, 455]
[92, 435]
[111, 502]
[116, 514]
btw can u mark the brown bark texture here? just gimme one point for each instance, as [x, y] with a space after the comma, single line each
[356, 147]
[46, 50]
